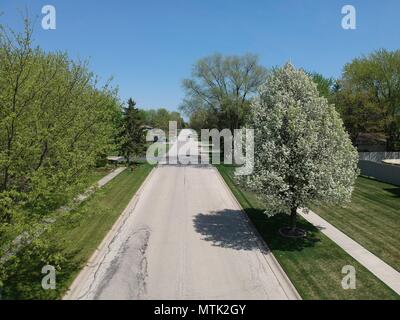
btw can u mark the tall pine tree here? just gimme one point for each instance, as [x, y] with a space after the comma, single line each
[132, 137]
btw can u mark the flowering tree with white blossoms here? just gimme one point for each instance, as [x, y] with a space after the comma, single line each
[303, 154]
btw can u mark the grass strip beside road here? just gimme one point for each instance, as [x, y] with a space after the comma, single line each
[313, 264]
[72, 240]
[372, 218]
[98, 173]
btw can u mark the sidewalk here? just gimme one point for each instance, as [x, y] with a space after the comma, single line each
[101, 183]
[379, 268]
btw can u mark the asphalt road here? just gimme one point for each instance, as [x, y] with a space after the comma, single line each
[182, 237]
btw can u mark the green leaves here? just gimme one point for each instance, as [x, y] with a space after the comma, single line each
[159, 118]
[55, 119]
[369, 95]
[132, 135]
[218, 93]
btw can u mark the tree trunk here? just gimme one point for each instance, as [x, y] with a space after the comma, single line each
[293, 218]
[392, 136]
[127, 159]
[391, 140]
[389, 144]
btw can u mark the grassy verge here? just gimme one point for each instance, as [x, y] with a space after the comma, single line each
[314, 263]
[71, 240]
[372, 218]
[97, 173]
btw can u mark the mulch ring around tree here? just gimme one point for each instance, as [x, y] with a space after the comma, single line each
[289, 232]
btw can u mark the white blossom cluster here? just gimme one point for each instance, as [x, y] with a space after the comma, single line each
[302, 154]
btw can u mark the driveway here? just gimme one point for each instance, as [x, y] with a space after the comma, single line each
[183, 236]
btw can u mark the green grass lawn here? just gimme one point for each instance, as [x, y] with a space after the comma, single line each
[372, 218]
[314, 263]
[72, 240]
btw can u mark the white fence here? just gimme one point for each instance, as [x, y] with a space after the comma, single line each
[378, 156]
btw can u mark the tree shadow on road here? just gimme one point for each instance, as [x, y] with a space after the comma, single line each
[230, 229]
[226, 228]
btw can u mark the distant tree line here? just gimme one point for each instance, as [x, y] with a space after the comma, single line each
[367, 95]
[159, 118]
[132, 126]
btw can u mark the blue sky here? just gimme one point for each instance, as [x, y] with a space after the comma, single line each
[150, 46]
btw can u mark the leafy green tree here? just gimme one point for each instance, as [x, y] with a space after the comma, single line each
[201, 119]
[303, 154]
[359, 112]
[369, 95]
[55, 120]
[325, 85]
[176, 116]
[132, 134]
[222, 87]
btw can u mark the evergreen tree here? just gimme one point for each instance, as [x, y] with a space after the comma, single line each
[132, 138]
